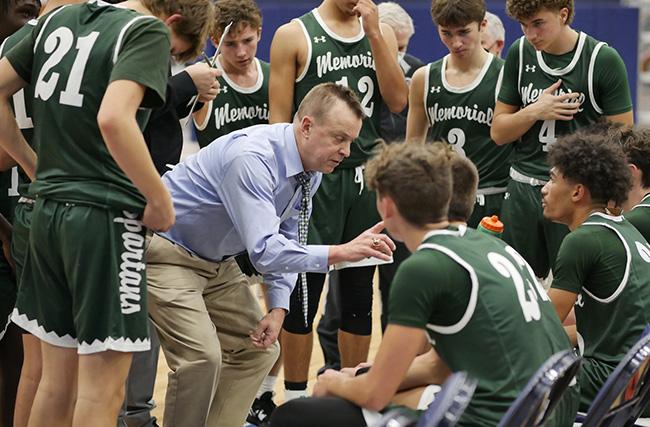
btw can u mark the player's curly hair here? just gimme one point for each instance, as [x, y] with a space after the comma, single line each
[594, 161]
[636, 145]
[457, 13]
[416, 176]
[195, 25]
[465, 184]
[242, 13]
[525, 9]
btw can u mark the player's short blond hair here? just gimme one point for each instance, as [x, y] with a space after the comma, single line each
[416, 176]
[195, 25]
[521, 10]
[322, 98]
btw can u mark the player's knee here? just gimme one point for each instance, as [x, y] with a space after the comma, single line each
[357, 323]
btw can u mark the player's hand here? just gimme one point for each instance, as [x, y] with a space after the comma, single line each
[205, 80]
[369, 14]
[557, 107]
[268, 329]
[352, 372]
[321, 388]
[159, 214]
[370, 243]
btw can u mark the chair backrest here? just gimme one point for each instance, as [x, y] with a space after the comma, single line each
[626, 392]
[450, 402]
[543, 392]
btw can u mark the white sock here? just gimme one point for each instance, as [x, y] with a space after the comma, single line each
[294, 394]
[267, 385]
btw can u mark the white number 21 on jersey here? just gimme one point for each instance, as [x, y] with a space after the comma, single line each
[57, 45]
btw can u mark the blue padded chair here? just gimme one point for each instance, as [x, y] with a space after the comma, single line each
[445, 411]
[543, 392]
[626, 393]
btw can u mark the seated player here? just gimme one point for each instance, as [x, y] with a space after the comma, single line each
[458, 285]
[602, 268]
[636, 145]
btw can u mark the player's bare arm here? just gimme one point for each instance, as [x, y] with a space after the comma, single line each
[563, 301]
[375, 389]
[426, 369]
[383, 44]
[11, 139]
[120, 130]
[625, 118]
[511, 122]
[288, 58]
[417, 122]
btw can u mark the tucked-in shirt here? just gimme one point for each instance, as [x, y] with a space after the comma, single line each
[240, 194]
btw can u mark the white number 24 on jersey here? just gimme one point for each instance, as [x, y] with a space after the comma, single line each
[528, 293]
[57, 45]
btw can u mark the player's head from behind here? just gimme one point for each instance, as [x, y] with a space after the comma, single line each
[494, 35]
[460, 24]
[328, 119]
[636, 145]
[399, 20]
[542, 21]
[465, 184]
[16, 13]
[588, 171]
[240, 45]
[413, 184]
[190, 23]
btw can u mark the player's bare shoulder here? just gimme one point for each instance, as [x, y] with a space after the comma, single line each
[289, 42]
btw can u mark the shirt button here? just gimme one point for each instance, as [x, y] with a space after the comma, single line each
[286, 268]
[317, 265]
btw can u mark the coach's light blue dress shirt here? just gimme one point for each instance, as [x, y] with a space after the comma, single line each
[240, 194]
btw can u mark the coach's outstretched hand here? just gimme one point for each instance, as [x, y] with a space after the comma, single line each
[369, 243]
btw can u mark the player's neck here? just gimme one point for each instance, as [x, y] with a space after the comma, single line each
[470, 64]
[583, 212]
[241, 77]
[564, 42]
[53, 4]
[342, 23]
[137, 6]
[635, 196]
[413, 236]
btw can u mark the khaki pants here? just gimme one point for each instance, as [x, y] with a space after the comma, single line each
[203, 312]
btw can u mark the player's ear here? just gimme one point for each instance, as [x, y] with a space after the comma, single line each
[259, 34]
[171, 19]
[579, 192]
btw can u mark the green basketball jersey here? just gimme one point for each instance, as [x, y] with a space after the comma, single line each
[606, 261]
[484, 313]
[462, 116]
[70, 58]
[21, 103]
[592, 69]
[345, 61]
[236, 107]
[639, 217]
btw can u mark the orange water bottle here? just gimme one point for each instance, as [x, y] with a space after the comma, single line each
[491, 225]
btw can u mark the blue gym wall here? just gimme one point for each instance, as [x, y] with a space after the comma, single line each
[605, 20]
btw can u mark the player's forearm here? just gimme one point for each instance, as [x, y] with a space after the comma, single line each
[509, 127]
[126, 144]
[426, 369]
[390, 76]
[13, 143]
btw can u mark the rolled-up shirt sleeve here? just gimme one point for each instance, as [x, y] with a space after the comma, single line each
[248, 194]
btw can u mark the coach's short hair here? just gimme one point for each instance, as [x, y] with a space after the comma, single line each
[465, 184]
[321, 99]
[416, 176]
[457, 13]
[394, 15]
[520, 10]
[243, 13]
[594, 161]
[494, 27]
